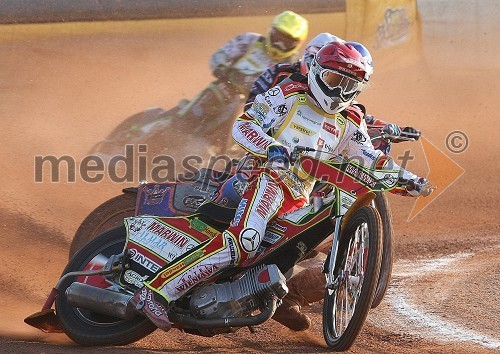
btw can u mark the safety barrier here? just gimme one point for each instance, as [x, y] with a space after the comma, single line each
[28, 11]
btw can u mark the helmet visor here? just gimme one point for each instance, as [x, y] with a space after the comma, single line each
[282, 40]
[339, 84]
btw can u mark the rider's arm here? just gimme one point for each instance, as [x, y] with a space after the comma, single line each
[249, 130]
[269, 78]
[374, 122]
[391, 128]
[356, 145]
[232, 50]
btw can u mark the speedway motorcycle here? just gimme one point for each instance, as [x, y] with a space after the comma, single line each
[92, 298]
[185, 197]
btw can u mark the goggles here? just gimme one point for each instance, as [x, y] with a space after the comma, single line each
[339, 84]
[282, 40]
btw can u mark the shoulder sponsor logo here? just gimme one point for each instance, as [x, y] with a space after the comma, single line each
[281, 110]
[340, 120]
[273, 91]
[267, 98]
[261, 109]
[294, 86]
[302, 129]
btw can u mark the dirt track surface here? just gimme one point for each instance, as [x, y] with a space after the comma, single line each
[66, 88]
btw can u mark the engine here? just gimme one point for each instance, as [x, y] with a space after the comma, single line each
[240, 297]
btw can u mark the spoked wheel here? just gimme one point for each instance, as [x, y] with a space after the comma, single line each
[354, 279]
[384, 279]
[106, 216]
[84, 326]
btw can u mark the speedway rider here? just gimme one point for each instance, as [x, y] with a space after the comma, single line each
[241, 60]
[307, 286]
[281, 71]
[317, 114]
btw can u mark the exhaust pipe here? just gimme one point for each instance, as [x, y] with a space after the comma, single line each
[99, 300]
[183, 321]
[115, 304]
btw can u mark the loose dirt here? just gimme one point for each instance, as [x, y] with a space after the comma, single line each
[65, 87]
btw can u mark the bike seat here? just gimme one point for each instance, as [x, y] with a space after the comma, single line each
[220, 214]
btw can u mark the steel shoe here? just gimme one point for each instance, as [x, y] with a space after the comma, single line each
[147, 303]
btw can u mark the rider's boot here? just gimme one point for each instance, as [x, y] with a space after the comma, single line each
[149, 304]
[305, 287]
[289, 315]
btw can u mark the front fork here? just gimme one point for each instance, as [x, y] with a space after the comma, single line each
[329, 265]
[341, 221]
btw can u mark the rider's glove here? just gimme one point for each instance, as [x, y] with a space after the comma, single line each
[419, 187]
[392, 129]
[412, 132]
[278, 155]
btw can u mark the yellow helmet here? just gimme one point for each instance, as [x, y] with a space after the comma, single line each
[288, 31]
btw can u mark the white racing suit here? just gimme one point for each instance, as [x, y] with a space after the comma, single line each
[287, 115]
[247, 54]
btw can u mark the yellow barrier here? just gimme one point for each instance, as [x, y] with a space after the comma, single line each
[381, 23]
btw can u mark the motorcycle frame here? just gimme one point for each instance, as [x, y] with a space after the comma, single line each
[293, 247]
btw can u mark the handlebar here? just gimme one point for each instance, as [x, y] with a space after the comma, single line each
[405, 136]
[376, 132]
[298, 150]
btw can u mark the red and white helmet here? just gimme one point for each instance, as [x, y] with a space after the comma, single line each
[338, 73]
[313, 47]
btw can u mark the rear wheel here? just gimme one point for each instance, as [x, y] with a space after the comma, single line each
[384, 279]
[106, 216]
[84, 326]
[132, 130]
[349, 298]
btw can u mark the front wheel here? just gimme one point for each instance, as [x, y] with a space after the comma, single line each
[349, 298]
[84, 326]
[384, 279]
